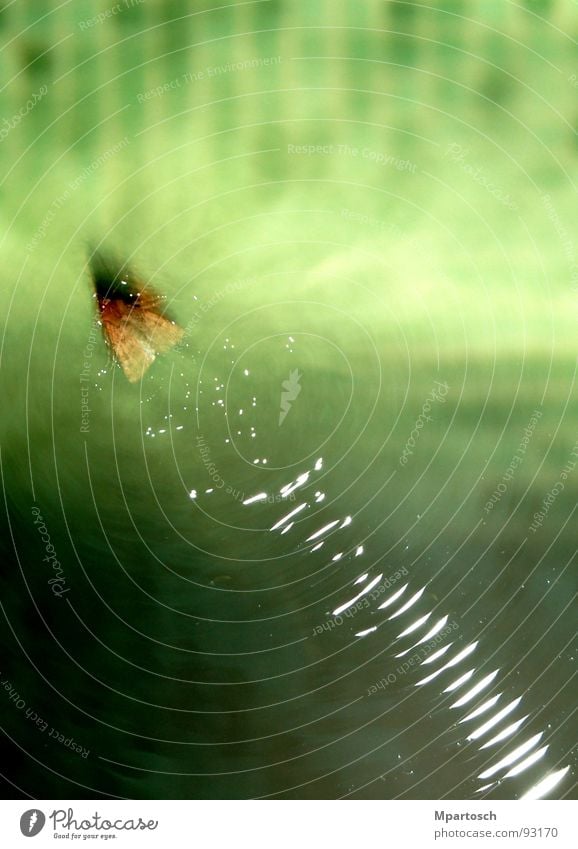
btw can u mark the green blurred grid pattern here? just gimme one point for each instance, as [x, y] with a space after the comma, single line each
[452, 55]
[172, 102]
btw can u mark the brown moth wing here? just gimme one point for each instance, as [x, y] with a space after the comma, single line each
[130, 348]
[131, 316]
[136, 332]
[159, 332]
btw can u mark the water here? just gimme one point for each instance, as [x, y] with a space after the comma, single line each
[244, 596]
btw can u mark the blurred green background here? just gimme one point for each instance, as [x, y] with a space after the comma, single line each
[389, 185]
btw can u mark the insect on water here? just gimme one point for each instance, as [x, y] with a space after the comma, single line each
[132, 318]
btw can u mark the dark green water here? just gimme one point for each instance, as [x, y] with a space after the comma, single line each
[192, 649]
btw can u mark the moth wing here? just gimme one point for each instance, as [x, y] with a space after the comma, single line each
[160, 333]
[130, 348]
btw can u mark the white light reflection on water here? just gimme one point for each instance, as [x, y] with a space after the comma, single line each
[545, 786]
[261, 496]
[414, 626]
[521, 757]
[322, 530]
[483, 729]
[291, 487]
[430, 634]
[440, 653]
[506, 732]
[356, 598]
[366, 632]
[453, 662]
[290, 515]
[408, 604]
[475, 690]
[485, 706]
[459, 681]
[392, 599]
[528, 762]
[513, 756]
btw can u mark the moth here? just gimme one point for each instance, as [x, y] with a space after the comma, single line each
[131, 316]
